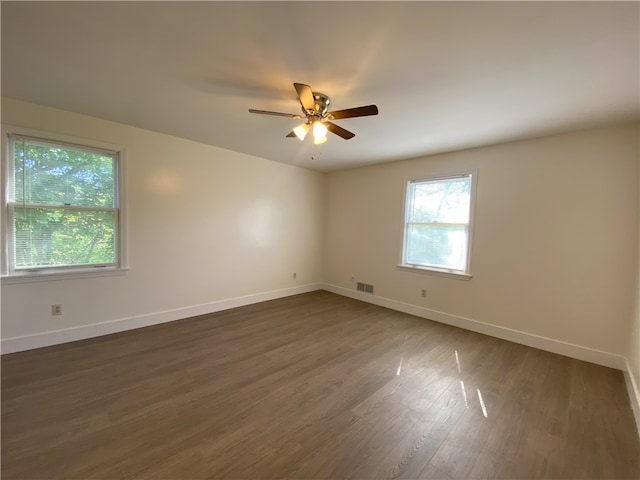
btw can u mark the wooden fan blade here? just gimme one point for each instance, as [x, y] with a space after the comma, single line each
[341, 132]
[292, 134]
[306, 97]
[353, 112]
[277, 114]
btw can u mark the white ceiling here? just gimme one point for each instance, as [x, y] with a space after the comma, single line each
[445, 75]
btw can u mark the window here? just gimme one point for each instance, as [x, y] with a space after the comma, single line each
[61, 203]
[437, 224]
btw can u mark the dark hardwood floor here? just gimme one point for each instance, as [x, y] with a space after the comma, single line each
[310, 387]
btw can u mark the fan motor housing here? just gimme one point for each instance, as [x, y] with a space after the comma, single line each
[322, 102]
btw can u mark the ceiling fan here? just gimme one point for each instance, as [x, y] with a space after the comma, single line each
[317, 118]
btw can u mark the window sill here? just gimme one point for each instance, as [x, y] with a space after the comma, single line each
[29, 277]
[436, 271]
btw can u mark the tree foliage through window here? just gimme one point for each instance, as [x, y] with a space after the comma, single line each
[63, 201]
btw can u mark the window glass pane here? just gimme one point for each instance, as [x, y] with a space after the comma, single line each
[62, 175]
[47, 237]
[436, 245]
[443, 201]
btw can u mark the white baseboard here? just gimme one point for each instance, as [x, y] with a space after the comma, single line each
[542, 343]
[634, 392]
[46, 339]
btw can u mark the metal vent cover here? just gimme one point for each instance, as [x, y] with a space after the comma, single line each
[365, 287]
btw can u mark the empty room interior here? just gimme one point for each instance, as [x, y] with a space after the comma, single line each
[320, 240]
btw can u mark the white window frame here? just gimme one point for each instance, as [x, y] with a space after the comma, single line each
[10, 275]
[433, 270]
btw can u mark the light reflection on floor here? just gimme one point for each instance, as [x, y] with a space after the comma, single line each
[464, 394]
[483, 407]
[406, 337]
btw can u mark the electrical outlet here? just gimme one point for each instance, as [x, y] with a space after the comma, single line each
[295, 275]
[423, 293]
[56, 310]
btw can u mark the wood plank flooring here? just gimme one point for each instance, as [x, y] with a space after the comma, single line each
[310, 387]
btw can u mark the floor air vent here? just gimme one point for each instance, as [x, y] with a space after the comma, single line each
[365, 287]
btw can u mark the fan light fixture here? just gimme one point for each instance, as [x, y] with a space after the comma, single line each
[319, 132]
[301, 130]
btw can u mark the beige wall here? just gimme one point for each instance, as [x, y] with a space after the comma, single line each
[556, 229]
[634, 337]
[204, 225]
